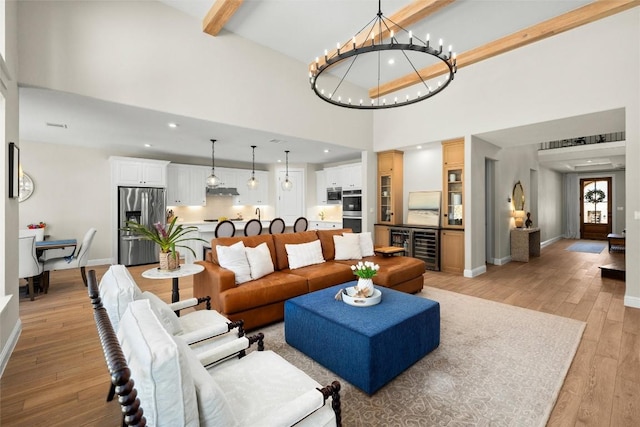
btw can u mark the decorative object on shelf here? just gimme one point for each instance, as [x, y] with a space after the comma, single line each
[26, 187]
[287, 185]
[321, 215]
[167, 238]
[37, 225]
[252, 184]
[518, 215]
[528, 222]
[212, 180]
[327, 73]
[365, 272]
[170, 215]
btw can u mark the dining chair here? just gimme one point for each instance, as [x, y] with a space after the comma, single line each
[276, 226]
[253, 228]
[300, 224]
[28, 265]
[225, 229]
[79, 260]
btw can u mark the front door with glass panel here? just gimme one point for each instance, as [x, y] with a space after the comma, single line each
[595, 208]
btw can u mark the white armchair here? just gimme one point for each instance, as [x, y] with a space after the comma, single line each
[28, 265]
[176, 389]
[79, 260]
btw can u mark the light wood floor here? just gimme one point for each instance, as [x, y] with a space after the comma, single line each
[57, 374]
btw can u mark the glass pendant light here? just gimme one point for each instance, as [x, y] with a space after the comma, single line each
[212, 180]
[253, 182]
[287, 185]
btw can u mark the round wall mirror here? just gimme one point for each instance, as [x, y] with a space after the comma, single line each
[518, 197]
[26, 187]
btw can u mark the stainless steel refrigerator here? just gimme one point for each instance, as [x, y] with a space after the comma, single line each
[145, 206]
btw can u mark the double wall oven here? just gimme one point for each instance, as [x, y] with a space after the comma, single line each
[352, 210]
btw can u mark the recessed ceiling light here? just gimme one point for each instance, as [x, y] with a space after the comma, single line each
[391, 61]
[279, 161]
[173, 125]
[419, 147]
[326, 151]
[588, 161]
[148, 145]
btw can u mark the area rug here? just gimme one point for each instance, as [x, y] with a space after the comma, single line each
[497, 365]
[590, 247]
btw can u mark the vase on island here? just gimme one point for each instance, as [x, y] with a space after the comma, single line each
[169, 261]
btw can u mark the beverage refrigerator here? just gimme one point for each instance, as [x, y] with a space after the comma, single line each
[145, 206]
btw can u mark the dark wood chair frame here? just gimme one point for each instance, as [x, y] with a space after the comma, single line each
[124, 386]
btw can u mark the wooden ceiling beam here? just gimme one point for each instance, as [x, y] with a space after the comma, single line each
[219, 15]
[408, 15]
[575, 18]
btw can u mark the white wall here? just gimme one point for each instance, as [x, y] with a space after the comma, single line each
[150, 55]
[10, 325]
[551, 79]
[550, 203]
[72, 193]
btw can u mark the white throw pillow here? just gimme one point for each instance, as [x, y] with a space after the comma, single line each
[366, 243]
[117, 290]
[234, 258]
[260, 261]
[164, 314]
[304, 254]
[161, 374]
[347, 247]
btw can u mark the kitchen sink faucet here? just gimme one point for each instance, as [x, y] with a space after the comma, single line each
[258, 213]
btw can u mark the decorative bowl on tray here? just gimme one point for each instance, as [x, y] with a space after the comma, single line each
[349, 297]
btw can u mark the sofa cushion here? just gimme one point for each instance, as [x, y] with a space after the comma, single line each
[279, 240]
[326, 239]
[304, 254]
[320, 276]
[347, 246]
[394, 269]
[366, 243]
[234, 258]
[249, 242]
[162, 376]
[272, 288]
[260, 261]
[117, 290]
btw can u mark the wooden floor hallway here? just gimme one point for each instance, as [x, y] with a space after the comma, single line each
[57, 373]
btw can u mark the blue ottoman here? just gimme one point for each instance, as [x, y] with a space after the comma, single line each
[367, 346]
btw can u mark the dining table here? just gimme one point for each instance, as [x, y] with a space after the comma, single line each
[49, 249]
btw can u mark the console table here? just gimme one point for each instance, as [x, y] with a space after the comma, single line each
[525, 243]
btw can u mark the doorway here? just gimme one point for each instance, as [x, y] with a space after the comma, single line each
[595, 208]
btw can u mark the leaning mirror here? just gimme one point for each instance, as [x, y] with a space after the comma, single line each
[26, 187]
[518, 197]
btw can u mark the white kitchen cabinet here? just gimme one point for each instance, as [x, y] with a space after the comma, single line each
[259, 196]
[333, 176]
[136, 172]
[321, 187]
[352, 176]
[324, 225]
[186, 185]
[228, 177]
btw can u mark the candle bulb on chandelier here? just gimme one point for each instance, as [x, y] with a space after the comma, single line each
[338, 47]
[391, 37]
[354, 42]
[410, 37]
[427, 39]
[325, 54]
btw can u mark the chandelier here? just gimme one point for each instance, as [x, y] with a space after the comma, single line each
[287, 185]
[253, 182]
[340, 76]
[212, 180]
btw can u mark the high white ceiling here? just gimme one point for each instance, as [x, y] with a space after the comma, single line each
[301, 29]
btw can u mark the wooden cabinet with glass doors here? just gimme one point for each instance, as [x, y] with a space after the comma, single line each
[390, 187]
[452, 235]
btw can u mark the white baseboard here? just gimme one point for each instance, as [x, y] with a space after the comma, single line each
[633, 302]
[10, 346]
[550, 241]
[476, 271]
[502, 261]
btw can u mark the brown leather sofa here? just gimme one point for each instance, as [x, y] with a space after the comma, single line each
[260, 302]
